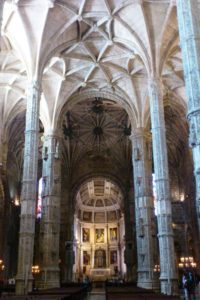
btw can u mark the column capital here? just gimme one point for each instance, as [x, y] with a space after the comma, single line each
[51, 145]
[33, 84]
[155, 81]
[140, 132]
[51, 133]
[33, 89]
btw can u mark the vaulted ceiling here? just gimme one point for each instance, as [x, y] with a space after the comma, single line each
[91, 45]
[82, 49]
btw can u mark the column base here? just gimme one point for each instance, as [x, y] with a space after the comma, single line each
[23, 286]
[147, 282]
[131, 273]
[69, 275]
[69, 262]
[50, 278]
[169, 287]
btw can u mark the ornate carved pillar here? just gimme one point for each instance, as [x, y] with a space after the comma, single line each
[144, 208]
[189, 31]
[1, 161]
[67, 238]
[29, 189]
[1, 17]
[50, 221]
[168, 276]
[2, 204]
[70, 241]
[4, 201]
[130, 249]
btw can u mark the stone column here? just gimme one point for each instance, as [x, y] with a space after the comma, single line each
[1, 160]
[67, 228]
[189, 32]
[29, 189]
[67, 237]
[144, 207]
[2, 203]
[168, 276]
[1, 18]
[130, 247]
[50, 221]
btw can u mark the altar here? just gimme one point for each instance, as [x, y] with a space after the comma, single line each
[99, 274]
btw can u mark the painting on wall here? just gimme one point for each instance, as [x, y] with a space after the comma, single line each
[86, 235]
[113, 257]
[99, 234]
[113, 234]
[86, 258]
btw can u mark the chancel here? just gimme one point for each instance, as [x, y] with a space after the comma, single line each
[99, 143]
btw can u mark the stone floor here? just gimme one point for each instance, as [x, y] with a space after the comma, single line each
[97, 294]
[192, 297]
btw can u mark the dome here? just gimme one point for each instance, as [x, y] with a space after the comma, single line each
[99, 200]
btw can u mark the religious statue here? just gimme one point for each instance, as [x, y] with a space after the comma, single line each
[113, 257]
[86, 258]
[100, 258]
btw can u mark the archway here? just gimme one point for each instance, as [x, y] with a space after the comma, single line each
[99, 230]
[96, 145]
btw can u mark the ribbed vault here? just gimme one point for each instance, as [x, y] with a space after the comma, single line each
[83, 46]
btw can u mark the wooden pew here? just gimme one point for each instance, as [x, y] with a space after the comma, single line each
[70, 293]
[135, 293]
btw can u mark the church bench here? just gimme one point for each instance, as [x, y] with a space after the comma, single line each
[75, 293]
[140, 297]
[70, 293]
[126, 293]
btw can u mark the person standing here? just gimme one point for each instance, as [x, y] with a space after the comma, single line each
[185, 285]
[191, 286]
[188, 282]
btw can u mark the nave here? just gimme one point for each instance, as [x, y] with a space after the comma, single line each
[99, 144]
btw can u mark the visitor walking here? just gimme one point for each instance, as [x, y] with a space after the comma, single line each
[188, 282]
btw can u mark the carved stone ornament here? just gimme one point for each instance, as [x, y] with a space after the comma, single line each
[56, 155]
[56, 179]
[141, 228]
[192, 138]
[139, 180]
[136, 154]
[45, 153]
